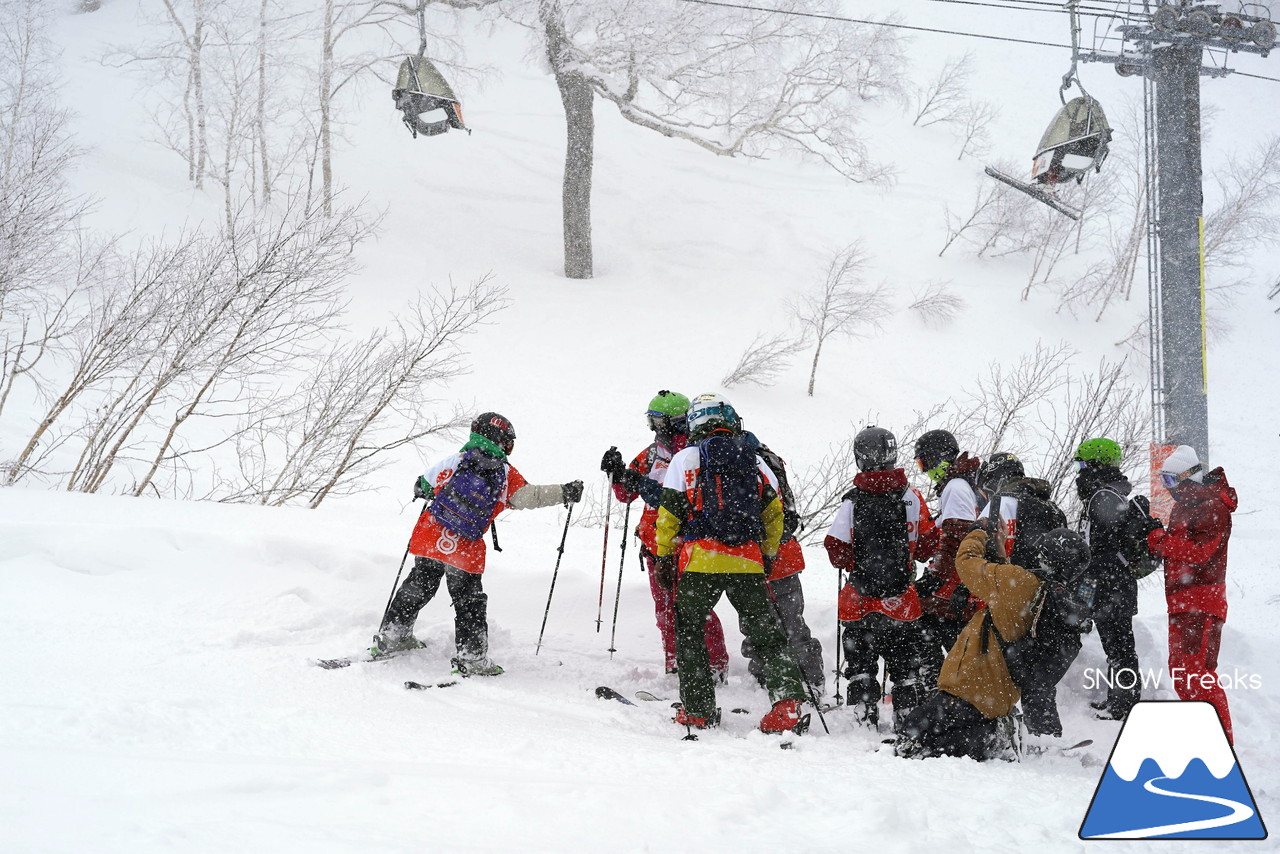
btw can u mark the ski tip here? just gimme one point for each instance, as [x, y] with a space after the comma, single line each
[333, 663]
[604, 692]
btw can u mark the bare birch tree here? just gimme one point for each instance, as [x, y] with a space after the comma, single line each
[937, 305]
[973, 127]
[734, 82]
[845, 305]
[365, 399]
[763, 360]
[943, 99]
[44, 258]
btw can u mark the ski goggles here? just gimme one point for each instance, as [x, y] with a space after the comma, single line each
[1172, 480]
[660, 422]
[1081, 465]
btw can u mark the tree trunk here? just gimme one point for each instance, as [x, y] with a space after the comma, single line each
[197, 79]
[326, 97]
[577, 97]
[813, 371]
[262, 104]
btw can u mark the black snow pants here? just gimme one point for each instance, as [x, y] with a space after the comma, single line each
[909, 658]
[1115, 606]
[947, 726]
[470, 604]
[1040, 690]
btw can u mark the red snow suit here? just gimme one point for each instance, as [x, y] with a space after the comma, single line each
[1194, 548]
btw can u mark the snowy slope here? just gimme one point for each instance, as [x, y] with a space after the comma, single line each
[156, 655]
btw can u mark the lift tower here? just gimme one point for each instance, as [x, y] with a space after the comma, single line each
[1166, 43]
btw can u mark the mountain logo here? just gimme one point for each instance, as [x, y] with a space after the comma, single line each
[1173, 775]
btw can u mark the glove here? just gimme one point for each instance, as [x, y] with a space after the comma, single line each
[959, 599]
[1154, 538]
[571, 492]
[928, 584]
[1154, 524]
[612, 464]
[421, 489]
[664, 572]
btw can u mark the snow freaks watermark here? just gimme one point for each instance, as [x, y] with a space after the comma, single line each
[1152, 679]
[1173, 775]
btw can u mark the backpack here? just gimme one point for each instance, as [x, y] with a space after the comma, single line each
[465, 503]
[881, 552]
[1061, 614]
[726, 503]
[1036, 516]
[791, 523]
[1136, 554]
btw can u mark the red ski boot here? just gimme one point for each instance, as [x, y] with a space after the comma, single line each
[784, 717]
[685, 719]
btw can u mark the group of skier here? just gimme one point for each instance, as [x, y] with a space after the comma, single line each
[995, 619]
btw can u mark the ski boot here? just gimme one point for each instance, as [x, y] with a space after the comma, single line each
[784, 717]
[694, 722]
[393, 639]
[475, 667]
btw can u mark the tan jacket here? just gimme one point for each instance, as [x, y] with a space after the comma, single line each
[1008, 590]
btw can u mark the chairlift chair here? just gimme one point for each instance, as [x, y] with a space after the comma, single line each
[421, 88]
[1076, 141]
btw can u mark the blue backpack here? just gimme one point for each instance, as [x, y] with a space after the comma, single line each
[465, 503]
[726, 504]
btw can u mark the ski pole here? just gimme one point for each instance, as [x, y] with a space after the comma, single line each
[403, 561]
[551, 592]
[604, 557]
[622, 561]
[839, 640]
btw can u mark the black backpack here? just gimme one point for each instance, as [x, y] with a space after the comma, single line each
[726, 505]
[881, 552]
[465, 503]
[1061, 613]
[1036, 516]
[791, 524]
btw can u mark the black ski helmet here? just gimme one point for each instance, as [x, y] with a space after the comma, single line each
[935, 447]
[1001, 467]
[1063, 554]
[875, 449]
[496, 429]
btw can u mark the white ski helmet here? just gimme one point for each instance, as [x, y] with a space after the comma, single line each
[711, 412]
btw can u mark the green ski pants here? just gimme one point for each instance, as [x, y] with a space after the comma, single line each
[696, 595]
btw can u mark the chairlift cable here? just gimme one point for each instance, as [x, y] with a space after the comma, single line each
[1039, 6]
[819, 16]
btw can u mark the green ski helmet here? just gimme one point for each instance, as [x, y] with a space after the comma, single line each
[1103, 452]
[668, 413]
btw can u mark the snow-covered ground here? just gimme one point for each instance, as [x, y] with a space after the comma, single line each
[156, 656]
